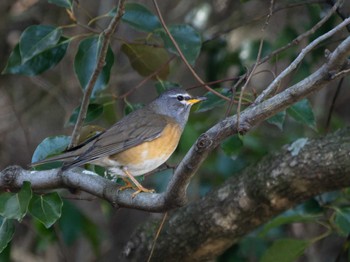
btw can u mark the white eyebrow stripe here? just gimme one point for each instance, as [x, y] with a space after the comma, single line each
[184, 95]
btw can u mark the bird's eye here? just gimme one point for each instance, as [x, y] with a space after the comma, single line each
[180, 98]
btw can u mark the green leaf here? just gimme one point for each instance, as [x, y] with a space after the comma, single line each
[73, 223]
[302, 112]
[147, 59]
[37, 64]
[36, 39]
[7, 229]
[46, 208]
[50, 146]
[213, 100]
[86, 61]
[139, 17]
[62, 3]
[187, 38]
[94, 111]
[278, 119]
[285, 250]
[288, 219]
[342, 220]
[15, 205]
[232, 145]
[5, 254]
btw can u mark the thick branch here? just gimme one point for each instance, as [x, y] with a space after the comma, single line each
[206, 228]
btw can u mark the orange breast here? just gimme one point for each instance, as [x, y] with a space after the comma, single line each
[149, 155]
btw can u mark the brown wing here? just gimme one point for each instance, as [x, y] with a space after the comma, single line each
[131, 131]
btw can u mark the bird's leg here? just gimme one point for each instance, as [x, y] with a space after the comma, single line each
[140, 188]
[127, 185]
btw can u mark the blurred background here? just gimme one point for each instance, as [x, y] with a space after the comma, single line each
[33, 108]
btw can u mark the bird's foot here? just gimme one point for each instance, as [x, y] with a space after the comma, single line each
[137, 187]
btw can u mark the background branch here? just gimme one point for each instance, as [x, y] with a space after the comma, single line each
[278, 182]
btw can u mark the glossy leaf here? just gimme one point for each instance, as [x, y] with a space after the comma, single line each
[342, 220]
[94, 111]
[62, 3]
[139, 17]
[7, 229]
[36, 39]
[302, 112]
[213, 100]
[188, 39]
[86, 61]
[46, 208]
[50, 146]
[232, 145]
[278, 119]
[285, 250]
[15, 205]
[37, 64]
[146, 59]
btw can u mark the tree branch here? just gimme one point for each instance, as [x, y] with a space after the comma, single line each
[297, 60]
[206, 228]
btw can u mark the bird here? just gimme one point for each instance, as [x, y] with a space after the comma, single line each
[138, 143]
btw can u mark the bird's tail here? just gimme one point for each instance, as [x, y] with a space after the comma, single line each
[65, 157]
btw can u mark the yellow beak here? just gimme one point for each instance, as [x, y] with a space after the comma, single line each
[196, 100]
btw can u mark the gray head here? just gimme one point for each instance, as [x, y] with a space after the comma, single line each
[175, 103]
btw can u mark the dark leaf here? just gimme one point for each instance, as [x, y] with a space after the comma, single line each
[15, 205]
[146, 59]
[139, 17]
[232, 145]
[302, 112]
[94, 111]
[188, 39]
[50, 146]
[7, 229]
[36, 39]
[278, 119]
[285, 250]
[37, 64]
[86, 61]
[46, 208]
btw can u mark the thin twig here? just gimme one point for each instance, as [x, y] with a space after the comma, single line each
[156, 236]
[331, 109]
[234, 89]
[257, 61]
[298, 39]
[298, 60]
[182, 55]
[107, 34]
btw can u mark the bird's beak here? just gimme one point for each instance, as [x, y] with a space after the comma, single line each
[195, 100]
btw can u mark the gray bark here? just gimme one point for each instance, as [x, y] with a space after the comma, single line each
[205, 229]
